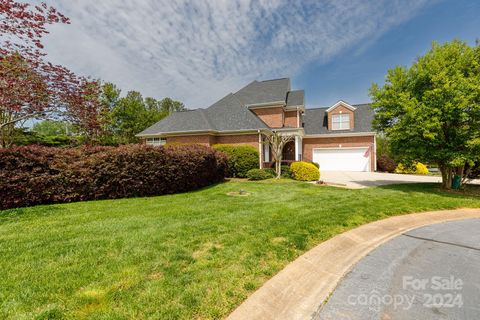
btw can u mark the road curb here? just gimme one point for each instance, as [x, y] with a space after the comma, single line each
[302, 286]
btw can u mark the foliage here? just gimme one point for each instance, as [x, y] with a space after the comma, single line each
[304, 171]
[431, 111]
[24, 137]
[420, 168]
[107, 118]
[386, 164]
[87, 112]
[383, 146]
[53, 128]
[286, 172]
[473, 170]
[241, 159]
[124, 117]
[259, 174]
[36, 175]
[48, 133]
[170, 106]
[31, 87]
[412, 168]
[316, 164]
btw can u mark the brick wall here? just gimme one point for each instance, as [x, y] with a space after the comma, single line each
[341, 110]
[291, 119]
[198, 139]
[250, 139]
[273, 117]
[360, 141]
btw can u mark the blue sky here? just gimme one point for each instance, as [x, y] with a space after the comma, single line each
[198, 51]
[349, 75]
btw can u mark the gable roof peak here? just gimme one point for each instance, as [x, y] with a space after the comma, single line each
[341, 103]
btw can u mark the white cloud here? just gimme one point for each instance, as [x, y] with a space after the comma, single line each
[197, 51]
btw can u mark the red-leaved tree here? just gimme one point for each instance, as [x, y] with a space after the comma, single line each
[30, 86]
[87, 112]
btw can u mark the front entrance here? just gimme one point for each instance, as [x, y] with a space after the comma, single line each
[288, 153]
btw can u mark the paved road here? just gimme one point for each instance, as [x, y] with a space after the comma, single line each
[429, 273]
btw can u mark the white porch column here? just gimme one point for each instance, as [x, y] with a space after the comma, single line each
[298, 148]
[260, 149]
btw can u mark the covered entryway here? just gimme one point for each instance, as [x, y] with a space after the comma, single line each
[343, 159]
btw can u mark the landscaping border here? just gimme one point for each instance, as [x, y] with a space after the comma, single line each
[297, 291]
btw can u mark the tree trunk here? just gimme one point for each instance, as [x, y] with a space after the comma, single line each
[460, 171]
[447, 174]
[278, 166]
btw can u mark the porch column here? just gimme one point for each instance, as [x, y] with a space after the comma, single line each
[260, 149]
[298, 148]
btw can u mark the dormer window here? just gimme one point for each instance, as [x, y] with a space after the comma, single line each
[341, 121]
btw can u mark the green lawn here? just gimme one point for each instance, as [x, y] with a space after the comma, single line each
[195, 255]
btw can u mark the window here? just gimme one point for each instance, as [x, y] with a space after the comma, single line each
[156, 141]
[340, 121]
[266, 152]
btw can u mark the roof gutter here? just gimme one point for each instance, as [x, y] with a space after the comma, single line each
[195, 132]
[266, 104]
[339, 135]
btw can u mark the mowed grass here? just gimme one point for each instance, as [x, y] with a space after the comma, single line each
[196, 255]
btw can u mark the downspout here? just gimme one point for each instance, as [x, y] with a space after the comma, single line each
[375, 151]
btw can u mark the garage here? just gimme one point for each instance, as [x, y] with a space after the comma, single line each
[343, 159]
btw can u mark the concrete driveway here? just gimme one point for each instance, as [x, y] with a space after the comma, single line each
[427, 273]
[357, 180]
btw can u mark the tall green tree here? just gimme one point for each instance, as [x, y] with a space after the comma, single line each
[169, 106]
[133, 113]
[53, 128]
[430, 112]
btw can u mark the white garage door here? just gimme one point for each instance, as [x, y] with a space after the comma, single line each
[343, 159]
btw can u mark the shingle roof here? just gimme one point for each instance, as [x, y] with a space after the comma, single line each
[192, 120]
[315, 120]
[296, 98]
[258, 92]
[231, 113]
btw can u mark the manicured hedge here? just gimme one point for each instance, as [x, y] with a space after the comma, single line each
[241, 159]
[260, 174]
[386, 164]
[36, 175]
[412, 168]
[304, 171]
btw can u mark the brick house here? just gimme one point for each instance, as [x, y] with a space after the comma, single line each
[339, 137]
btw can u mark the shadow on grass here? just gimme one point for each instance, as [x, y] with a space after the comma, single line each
[470, 191]
[40, 210]
[49, 208]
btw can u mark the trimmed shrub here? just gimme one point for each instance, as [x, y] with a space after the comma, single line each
[259, 174]
[413, 168]
[286, 172]
[271, 171]
[304, 171]
[386, 164]
[241, 159]
[420, 168]
[38, 175]
[316, 164]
